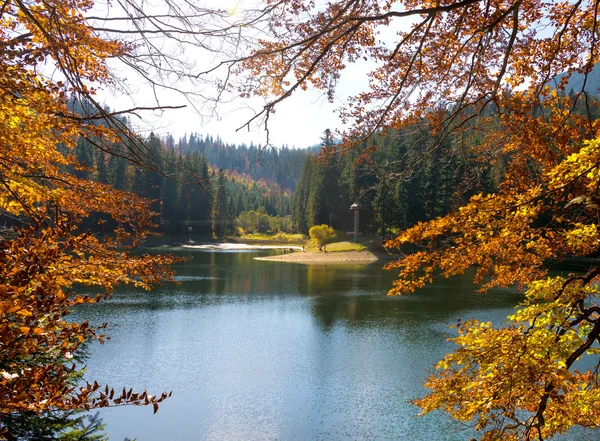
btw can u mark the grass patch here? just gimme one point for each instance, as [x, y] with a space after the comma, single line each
[366, 242]
[338, 247]
[279, 237]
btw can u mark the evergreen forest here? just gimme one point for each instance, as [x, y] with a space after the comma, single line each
[199, 184]
[202, 185]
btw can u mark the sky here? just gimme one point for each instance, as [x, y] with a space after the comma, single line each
[299, 121]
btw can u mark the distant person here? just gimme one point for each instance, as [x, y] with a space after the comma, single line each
[302, 248]
[325, 248]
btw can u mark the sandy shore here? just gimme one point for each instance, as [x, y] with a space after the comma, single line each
[353, 257]
[350, 257]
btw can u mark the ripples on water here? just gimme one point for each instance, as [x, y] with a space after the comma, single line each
[260, 350]
[192, 278]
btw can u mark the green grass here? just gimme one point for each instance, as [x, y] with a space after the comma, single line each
[370, 243]
[279, 237]
[337, 247]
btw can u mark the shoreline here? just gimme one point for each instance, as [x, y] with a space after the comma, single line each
[229, 246]
[364, 257]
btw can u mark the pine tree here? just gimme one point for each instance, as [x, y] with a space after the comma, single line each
[219, 208]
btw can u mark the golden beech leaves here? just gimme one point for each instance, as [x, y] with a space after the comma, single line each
[426, 57]
[501, 233]
[47, 261]
[492, 75]
[519, 381]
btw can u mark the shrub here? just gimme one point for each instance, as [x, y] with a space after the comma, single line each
[322, 234]
[252, 222]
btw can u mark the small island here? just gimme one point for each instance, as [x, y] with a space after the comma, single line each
[369, 251]
[343, 252]
[343, 257]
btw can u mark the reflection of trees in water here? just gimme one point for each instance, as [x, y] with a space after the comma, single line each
[345, 293]
[349, 295]
[362, 302]
[214, 273]
[239, 274]
[328, 279]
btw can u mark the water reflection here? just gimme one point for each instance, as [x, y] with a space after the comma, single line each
[265, 350]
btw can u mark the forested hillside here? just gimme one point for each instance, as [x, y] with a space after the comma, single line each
[189, 191]
[281, 165]
[395, 189]
[408, 176]
[578, 81]
[204, 182]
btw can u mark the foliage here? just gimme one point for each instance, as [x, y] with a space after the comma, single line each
[533, 358]
[60, 426]
[322, 234]
[47, 259]
[438, 185]
[476, 74]
[278, 238]
[524, 372]
[251, 222]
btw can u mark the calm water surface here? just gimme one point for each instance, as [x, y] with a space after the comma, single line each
[258, 350]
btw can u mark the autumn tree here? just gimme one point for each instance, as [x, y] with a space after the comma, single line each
[322, 234]
[492, 75]
[55, 137]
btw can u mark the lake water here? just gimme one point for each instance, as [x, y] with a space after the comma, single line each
[256, 350]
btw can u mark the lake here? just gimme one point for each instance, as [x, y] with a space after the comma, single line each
[258, 350]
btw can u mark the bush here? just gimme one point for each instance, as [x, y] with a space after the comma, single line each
[322, 234]
[253, 222]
